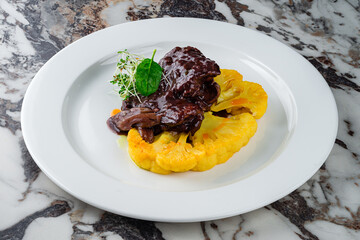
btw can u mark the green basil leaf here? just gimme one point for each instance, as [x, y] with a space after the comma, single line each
[148, 75]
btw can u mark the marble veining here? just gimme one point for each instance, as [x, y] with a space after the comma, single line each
[325, 32]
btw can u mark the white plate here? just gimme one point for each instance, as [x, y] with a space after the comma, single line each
[67, 104]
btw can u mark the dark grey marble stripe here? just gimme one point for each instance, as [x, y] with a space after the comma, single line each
[196, 9]
[6, 120]
[127, 228]
[295, 208]
[17, 231]
[330, 74]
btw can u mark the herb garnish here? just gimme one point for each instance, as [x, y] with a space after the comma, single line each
[148, 76]
[124, 76]
[135, 75]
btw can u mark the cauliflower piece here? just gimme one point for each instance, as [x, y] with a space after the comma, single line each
[222, 137]
[214, 143]
[210, 158]
[179, 156]
[238, 96]
[217, 139]
[144, 154]
[230, 84]
[168, 153]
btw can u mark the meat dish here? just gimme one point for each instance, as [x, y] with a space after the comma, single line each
[189, 114]
[186, 91]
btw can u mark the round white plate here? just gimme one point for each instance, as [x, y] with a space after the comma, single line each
[68, 102]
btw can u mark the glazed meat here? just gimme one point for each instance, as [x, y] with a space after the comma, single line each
[186, 91]
[133, 117]
[188, 69]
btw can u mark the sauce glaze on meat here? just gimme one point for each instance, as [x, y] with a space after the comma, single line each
[186, 91]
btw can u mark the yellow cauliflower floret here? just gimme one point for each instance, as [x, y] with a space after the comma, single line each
[179, 156]
[210, 158]
[168, 153]
[230, 83]
[241, 96]
[222, 137]
[144, 154]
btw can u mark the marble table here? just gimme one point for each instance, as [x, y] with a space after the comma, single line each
[326, 32]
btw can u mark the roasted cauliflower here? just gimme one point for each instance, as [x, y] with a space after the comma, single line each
[238, 96]
[144, 154]
[222, 137]
[214, 143]
[230, 84]
[218, 137]
[179, 156]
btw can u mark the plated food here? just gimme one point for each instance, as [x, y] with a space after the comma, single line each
[74, 117]
[184, 113]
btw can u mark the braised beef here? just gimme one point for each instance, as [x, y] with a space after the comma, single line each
[189, 69]
[134, 117]
[186, 91]
[181, 116]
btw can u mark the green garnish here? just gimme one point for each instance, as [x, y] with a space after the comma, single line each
[135, 75]
[148, 76]
[124, 76]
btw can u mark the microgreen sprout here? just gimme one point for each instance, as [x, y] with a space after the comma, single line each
[124, 76]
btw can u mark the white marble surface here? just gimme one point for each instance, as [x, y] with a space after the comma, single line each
[327, 33]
